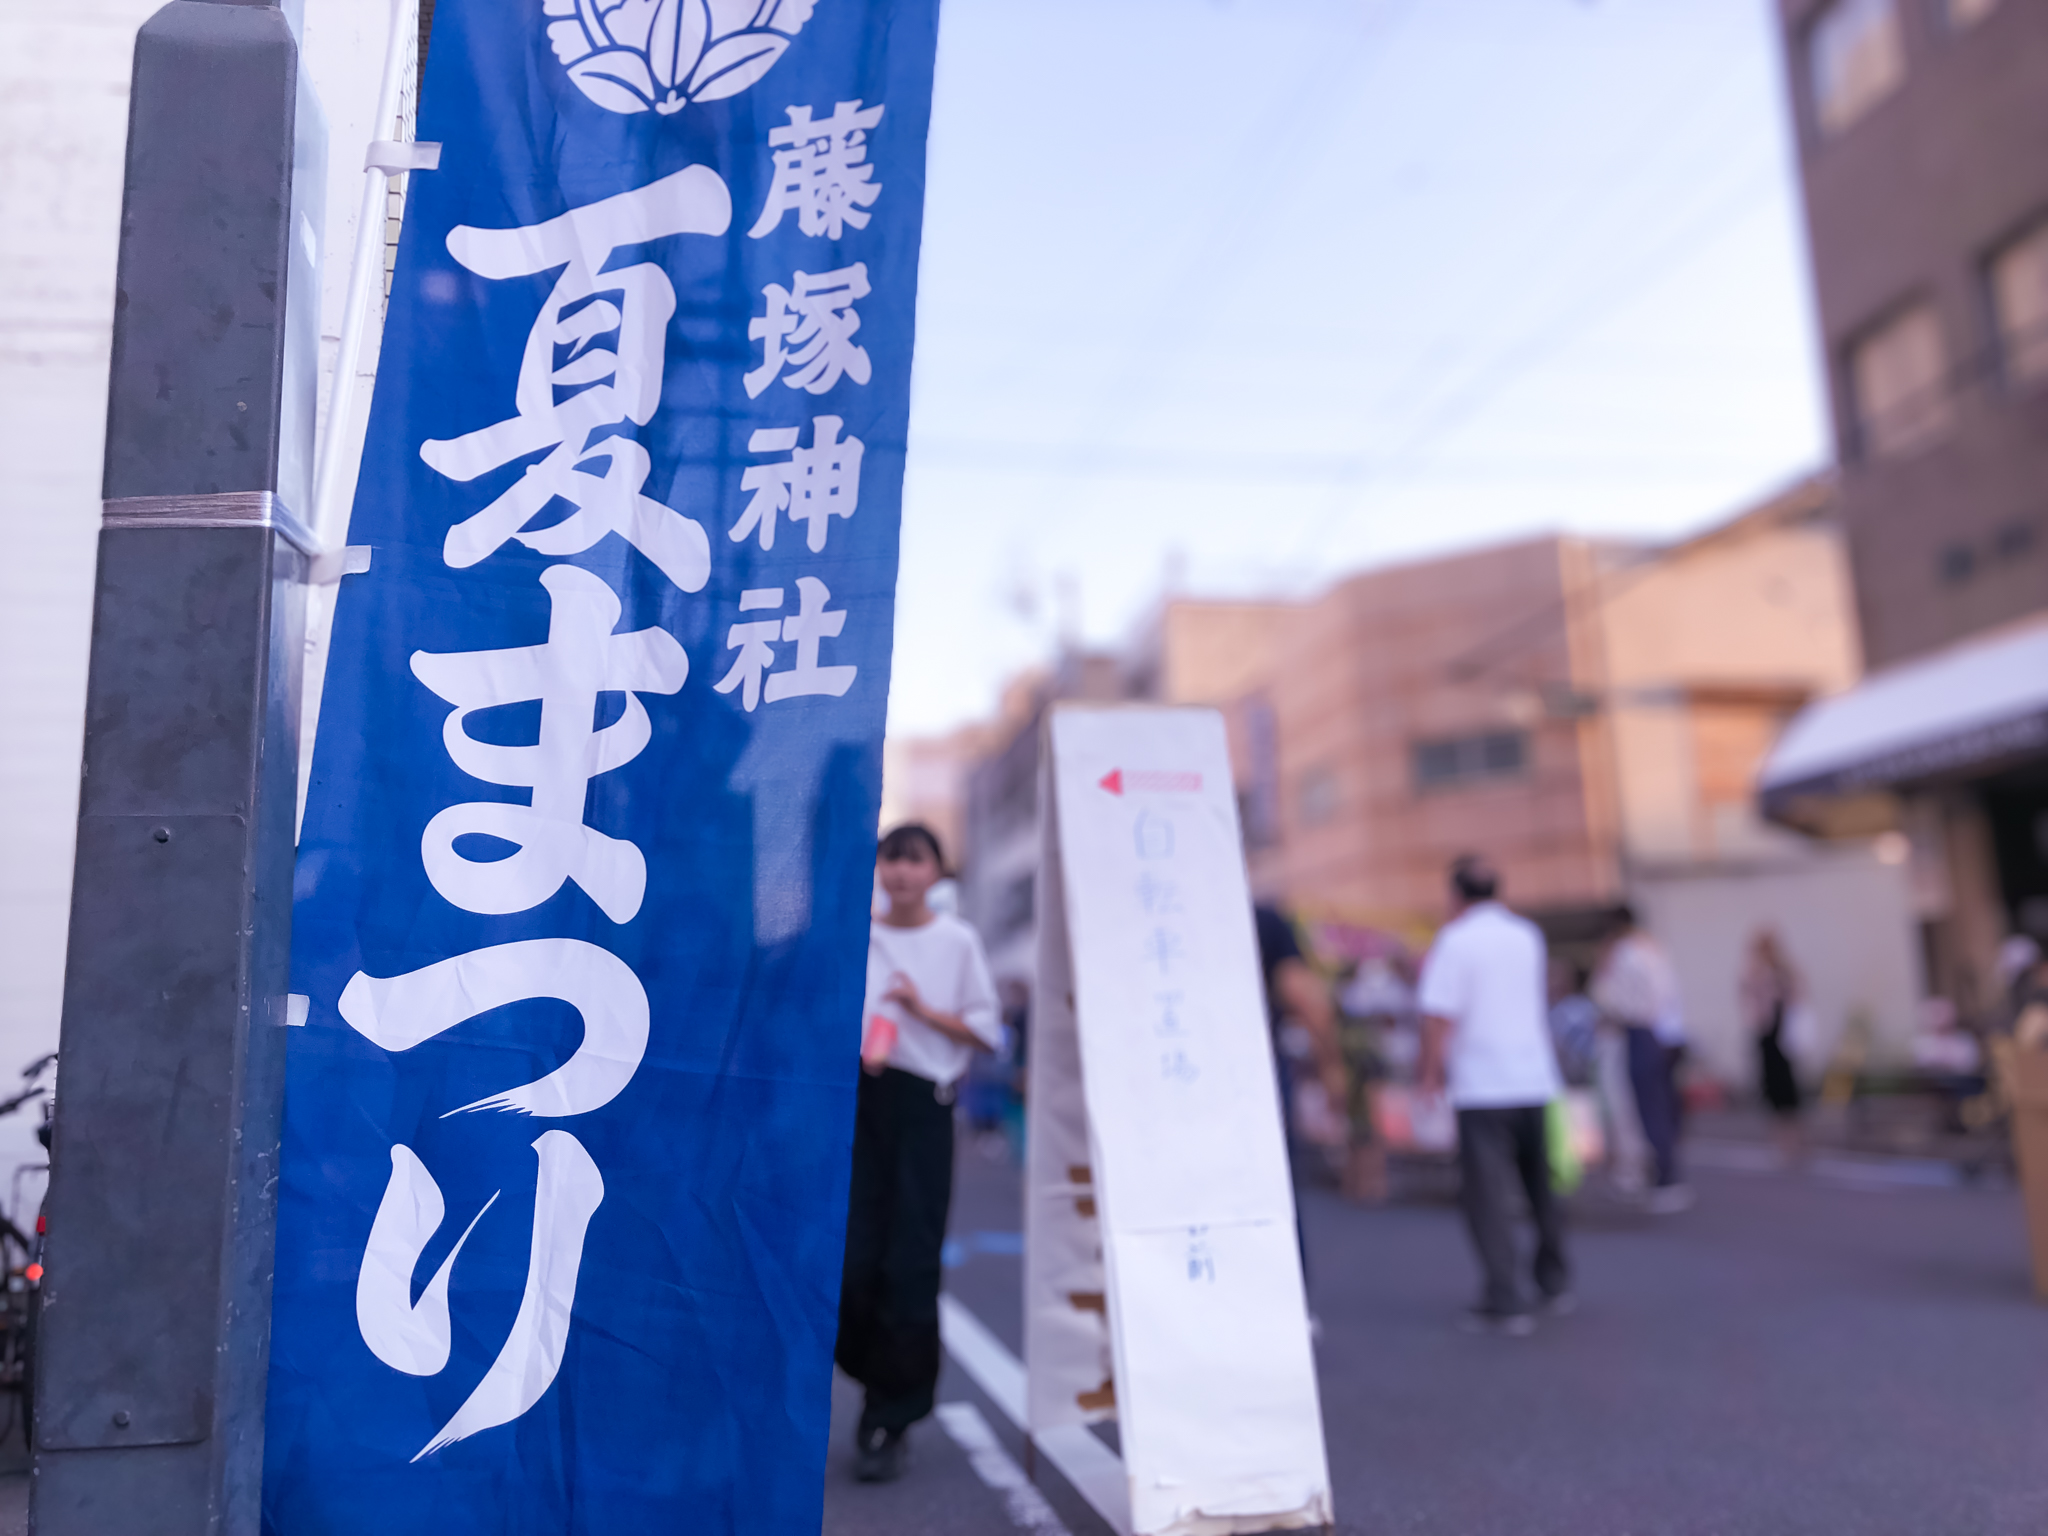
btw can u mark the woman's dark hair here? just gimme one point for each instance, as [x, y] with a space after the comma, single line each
[902, 843]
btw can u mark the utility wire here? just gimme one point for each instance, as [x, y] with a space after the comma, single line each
[1517, 361]
[1566, 257]
[1276, 467]
[1301, 117]
[1244, 222]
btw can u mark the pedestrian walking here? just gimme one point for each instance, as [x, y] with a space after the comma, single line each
[1574, 1023]
[1636, 987]
[1296, 994]
[1375, 1001]
[930, 1007]
[1486, 1039]
[1770, 992]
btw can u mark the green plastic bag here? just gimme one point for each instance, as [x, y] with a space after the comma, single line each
[1567, 1173]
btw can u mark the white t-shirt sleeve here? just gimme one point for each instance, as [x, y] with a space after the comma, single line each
[978, 1008]
[1444, 990]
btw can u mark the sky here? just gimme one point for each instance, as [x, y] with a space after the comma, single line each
[1234, 297]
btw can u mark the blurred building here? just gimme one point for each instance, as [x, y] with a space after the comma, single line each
[999, 873]
[924, 779]
[1190, 653]
[1920, 127]
[1590, 714]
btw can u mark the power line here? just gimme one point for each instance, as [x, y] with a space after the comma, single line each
[1300, 117]
[1508, 368]
[1465, 397]
[1276, 468]
[1599, 188]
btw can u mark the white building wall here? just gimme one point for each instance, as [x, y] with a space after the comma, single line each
[1846, 918]
[63, 129]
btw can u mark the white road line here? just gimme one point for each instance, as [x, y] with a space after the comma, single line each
[992, 1464]
[1095, 1471]
[981, 1355]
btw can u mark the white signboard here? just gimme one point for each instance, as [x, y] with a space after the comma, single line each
[1163, 1281]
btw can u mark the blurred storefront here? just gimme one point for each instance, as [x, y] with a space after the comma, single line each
[1927, 214]
[1949, 751]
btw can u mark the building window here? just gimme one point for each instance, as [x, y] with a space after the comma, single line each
[1460, 760]
[1898, 385]
[1856, 56]
[1958, 563]
[2018, 278]
[1315, 797]
[1966, 13]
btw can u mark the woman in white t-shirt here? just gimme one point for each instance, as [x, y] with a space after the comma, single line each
[930, 1007]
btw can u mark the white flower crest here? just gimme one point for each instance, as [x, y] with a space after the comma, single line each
[633, 55]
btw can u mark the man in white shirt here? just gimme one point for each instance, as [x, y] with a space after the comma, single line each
[1637, 989]
[1485, 1037]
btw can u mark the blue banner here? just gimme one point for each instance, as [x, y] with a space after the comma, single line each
[584, 879]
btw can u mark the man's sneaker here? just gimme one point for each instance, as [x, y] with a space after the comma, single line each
[879, 1455]
[1669, 1199]
[1505, 1325]
[1563, 1304]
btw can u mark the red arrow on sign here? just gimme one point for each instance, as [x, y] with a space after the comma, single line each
[1113, 781]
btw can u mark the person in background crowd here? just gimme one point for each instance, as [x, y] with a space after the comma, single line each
[1484, 1037]
[985, 1092]
[2018, 955]
[1770, 991]
[2024, 1014]
[1295, 992]
[1628, 1150]
[930, 1007]
[1015, 997]
[1574, 1023]
[1636, 988]
[1374, 1001]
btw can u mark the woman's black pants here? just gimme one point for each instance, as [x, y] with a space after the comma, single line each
[1652, 1069]
[895, 1229]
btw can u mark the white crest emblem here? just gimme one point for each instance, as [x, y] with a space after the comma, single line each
[630, 55]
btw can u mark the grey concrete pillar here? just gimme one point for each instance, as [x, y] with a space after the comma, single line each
[156, 1301]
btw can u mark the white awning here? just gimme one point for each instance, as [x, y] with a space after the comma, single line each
[1972, 707]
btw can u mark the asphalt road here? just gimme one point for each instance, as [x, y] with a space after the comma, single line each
[1853, 1351]
[1850, 1350]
